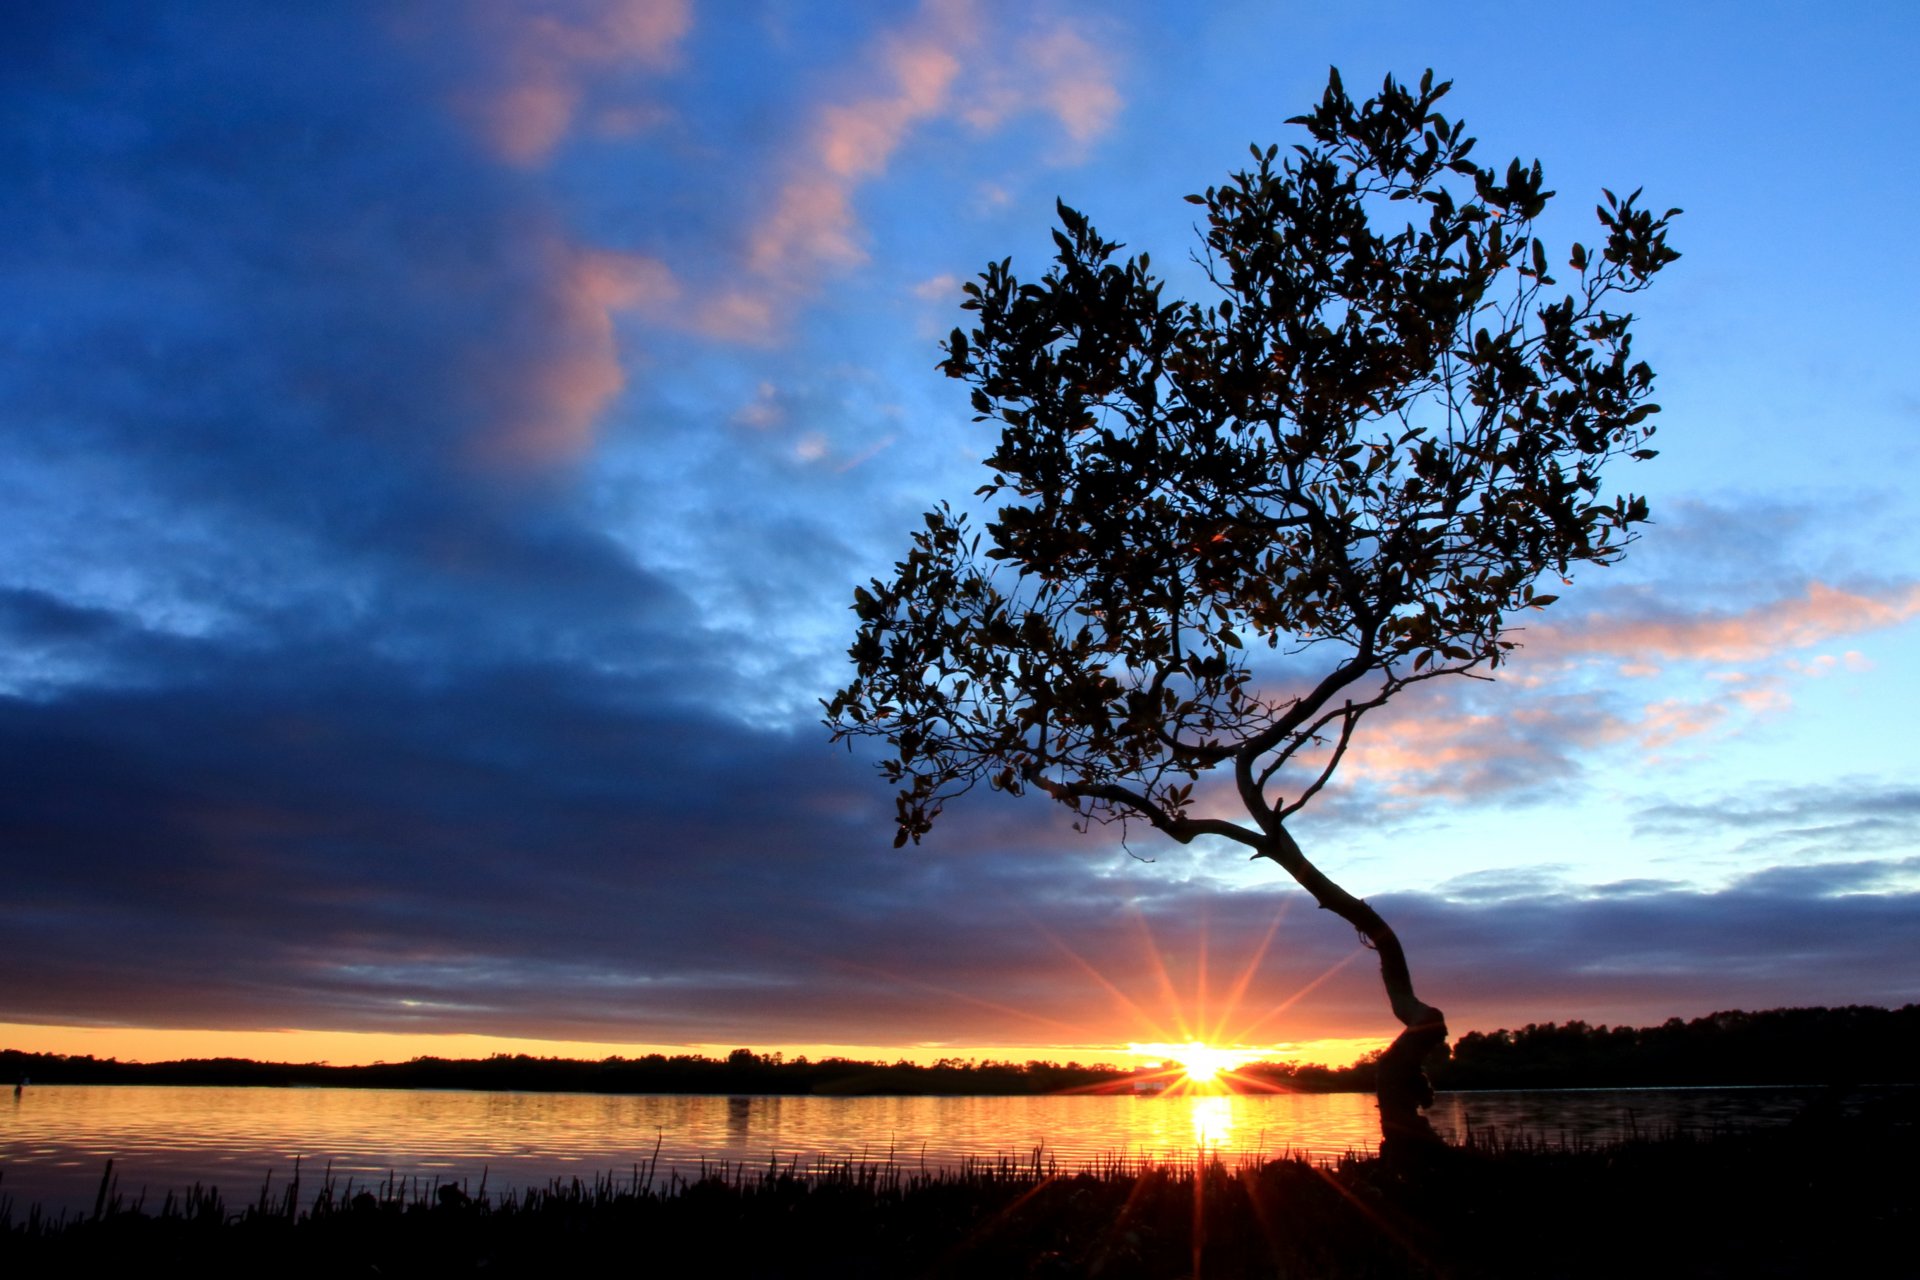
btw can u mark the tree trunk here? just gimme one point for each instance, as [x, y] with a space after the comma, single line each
[1402, 1085]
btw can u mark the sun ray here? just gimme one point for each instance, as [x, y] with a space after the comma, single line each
[1200, 983]
[905, 980]
[1165, 980]
[1200, 1066]
[1247, 1031]
[1127, 1003]
[1239, 991]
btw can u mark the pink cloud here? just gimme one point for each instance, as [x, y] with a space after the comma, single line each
[1432, 749]
[812, 226]
[548, 415]
[735, 315]
[941, 288]
[1819, 614]
[1075, 83]
[1057, 71]
[812, 221]
[544, 54]
[1428, 751]
[1667, 722]
[1428, 744]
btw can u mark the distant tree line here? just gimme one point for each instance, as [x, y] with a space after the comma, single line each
[1857, 1044]
[741, 1072]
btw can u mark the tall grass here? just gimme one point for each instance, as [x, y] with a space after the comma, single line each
[1827, 1198]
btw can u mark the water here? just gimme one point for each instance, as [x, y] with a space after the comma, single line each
[56, 1139]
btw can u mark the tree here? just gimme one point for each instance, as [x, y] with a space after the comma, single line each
[1364, 453]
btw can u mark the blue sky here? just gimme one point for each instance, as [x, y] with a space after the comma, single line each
[438, 444]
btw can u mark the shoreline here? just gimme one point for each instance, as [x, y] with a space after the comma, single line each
[1825, 1195]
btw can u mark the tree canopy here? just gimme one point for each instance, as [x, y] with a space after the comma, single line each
[1373, 443]
[1368, 448]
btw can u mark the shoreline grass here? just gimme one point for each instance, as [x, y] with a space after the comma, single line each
[1826, 1195]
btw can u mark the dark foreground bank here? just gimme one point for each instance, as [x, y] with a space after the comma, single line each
[1826, 1195]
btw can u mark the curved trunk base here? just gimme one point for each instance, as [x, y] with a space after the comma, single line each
[1404, 1091]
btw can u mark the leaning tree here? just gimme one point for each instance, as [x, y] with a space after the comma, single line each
[1365, 452]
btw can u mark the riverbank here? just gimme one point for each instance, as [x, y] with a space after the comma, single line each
[1849, 1045]
[1828, 1194]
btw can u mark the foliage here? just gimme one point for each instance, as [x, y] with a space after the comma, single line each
[741, 1072]
[1849, 1044]
[1387, 427]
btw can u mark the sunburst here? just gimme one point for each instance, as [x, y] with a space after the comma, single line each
[1201, 1065]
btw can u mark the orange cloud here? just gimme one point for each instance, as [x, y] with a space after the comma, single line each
[545, 53]
[1666, 722]
[550, 417]
[1820, 614]
[1427, 752]
[1439, 754]
[1058, 71]
[1426, 747]
[812, 226]
[812, 220]
[1074, 82]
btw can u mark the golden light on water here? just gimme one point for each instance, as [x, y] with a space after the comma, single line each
[1212, 1123]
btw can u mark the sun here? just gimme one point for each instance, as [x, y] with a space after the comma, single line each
[1204, 1063]
[1201, 1064]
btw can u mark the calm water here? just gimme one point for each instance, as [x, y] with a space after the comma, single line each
[55, 1140]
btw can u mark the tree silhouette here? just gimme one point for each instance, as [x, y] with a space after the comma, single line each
[1365, 453]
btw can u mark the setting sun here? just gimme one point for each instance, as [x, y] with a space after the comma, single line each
[1202, 1064]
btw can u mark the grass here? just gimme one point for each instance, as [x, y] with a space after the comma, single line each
[1824, 1196]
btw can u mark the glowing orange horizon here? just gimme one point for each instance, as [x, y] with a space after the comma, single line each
[355, 1048]
[1206, 1049]
[1202, 1064]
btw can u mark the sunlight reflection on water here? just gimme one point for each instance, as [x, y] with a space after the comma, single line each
[57, 1138]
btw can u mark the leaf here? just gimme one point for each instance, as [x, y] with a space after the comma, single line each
[1366, 450]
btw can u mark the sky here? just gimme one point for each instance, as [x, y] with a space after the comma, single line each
[438, 444]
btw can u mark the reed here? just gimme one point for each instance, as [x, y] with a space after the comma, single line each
[1798, 1200]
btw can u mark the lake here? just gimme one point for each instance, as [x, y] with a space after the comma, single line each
[55, 1139]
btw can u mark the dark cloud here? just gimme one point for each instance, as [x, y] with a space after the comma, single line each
[1838, 820]
[337, 692]
[273, 317]
[538, 850]
[1504, 883]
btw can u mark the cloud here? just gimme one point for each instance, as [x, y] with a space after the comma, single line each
[560, 400]
[1449, 751]
[386, 645]
[539, 59]
[1055, 69]
[942, 63]
[1601, 954]
[811, 224]
[941, 288]
[1832, 821]
[1470, 743]
[1662, 630]
[323, 840]
[1547, 719]
[345, 346]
